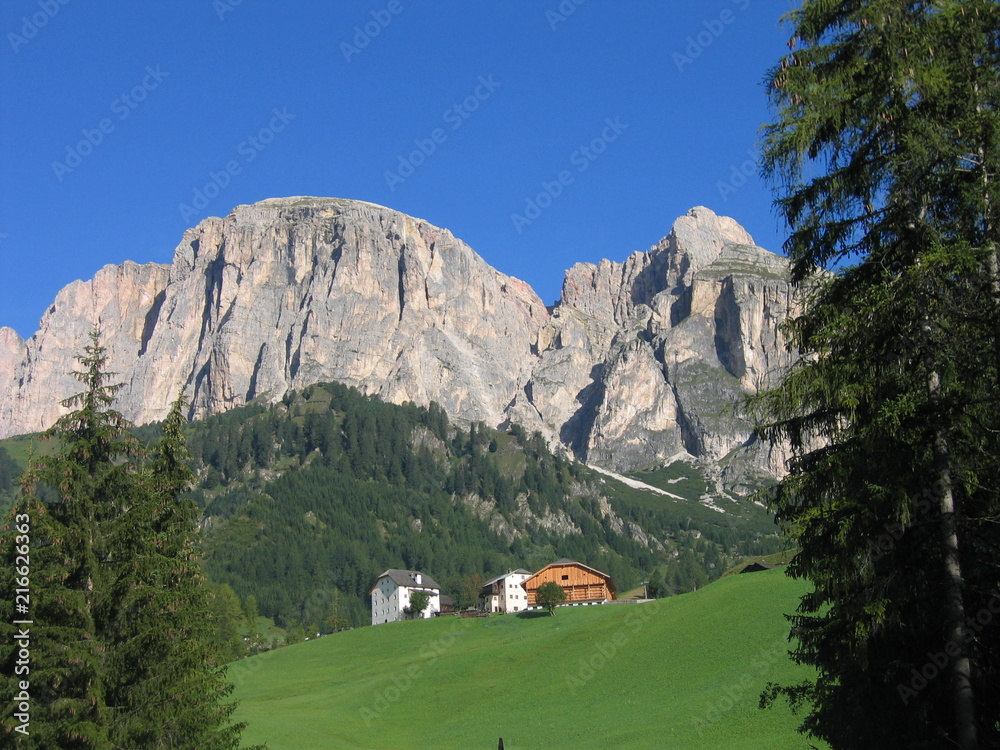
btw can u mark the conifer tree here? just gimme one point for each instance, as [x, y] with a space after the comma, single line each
[65, 670]
[885, 153]
[167, 683]
[121, 656]
[87, 479]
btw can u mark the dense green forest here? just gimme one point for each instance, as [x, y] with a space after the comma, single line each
[305, 502]
[308, 501]
[9, 472]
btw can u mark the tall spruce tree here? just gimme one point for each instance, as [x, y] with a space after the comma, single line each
[122, 655]
[64, 673]
[89, 477]
[885, 153]
[166, 686]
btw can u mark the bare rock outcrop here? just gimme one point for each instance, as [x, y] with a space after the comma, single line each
[289, 292]
[653, 356]
[12, 353]
[638, 361]
[121, 300]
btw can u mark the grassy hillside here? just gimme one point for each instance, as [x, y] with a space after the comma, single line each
[683, 672]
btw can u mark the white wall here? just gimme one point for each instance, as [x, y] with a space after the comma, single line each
[514, 595]
[385, 602]
[389, 601]
[433, 606]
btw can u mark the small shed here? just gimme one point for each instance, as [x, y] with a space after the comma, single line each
[755, 567]
[580, 582]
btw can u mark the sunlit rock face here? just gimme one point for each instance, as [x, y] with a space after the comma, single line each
[639, 361]
[652, 357]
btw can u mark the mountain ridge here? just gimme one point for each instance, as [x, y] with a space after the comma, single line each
[637, 361]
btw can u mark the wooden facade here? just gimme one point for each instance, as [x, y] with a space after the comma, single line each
[581, 582]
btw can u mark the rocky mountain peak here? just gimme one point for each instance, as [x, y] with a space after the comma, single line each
[638, 362]
[613, 289]
[701, 235]
[648, 359]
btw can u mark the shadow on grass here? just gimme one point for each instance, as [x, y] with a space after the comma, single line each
[530, 614]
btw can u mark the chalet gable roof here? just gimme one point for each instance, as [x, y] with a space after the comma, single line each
[522, 571]
[565, 561]
[407, 579]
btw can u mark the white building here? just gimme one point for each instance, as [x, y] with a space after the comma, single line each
[505, 593]
[391, 595]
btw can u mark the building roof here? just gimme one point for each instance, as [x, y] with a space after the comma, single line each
[508, 573]
[566, 561]
[407, 579]
[757, 566]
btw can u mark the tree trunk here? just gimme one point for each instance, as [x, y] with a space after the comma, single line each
[961, 667]
[993, 253]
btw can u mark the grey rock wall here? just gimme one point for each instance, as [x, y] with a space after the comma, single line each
[638, 361]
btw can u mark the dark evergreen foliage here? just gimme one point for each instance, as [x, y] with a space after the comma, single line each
[886, 150]
[167, 685]
[9, 473]
[120, 655]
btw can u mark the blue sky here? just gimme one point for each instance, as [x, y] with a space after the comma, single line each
[541, 132]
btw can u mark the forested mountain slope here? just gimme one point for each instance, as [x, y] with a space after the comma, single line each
[306, 501]
[322, 492]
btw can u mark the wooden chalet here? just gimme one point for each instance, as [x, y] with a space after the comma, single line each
[580, 582]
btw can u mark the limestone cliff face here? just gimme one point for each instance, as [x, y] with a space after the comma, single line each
[638, 361]
[290, 292]
[119, 299]
[649, 358]
[12, 353]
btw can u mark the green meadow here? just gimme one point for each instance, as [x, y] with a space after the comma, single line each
[684, 672]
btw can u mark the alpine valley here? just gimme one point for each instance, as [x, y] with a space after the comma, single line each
[460, 425]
